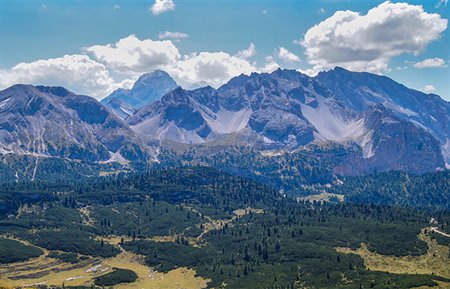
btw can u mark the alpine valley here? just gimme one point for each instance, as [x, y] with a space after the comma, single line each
[272, 180]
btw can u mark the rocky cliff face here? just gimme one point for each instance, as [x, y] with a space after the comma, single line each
[394, 127]
[357, 91]
[54, 122]
[396, 144]
[383, 124]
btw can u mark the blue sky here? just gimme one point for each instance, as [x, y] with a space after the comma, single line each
[36, 35]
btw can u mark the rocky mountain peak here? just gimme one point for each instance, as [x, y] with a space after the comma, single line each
[148, 88]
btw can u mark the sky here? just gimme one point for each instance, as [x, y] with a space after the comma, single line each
[95, 47]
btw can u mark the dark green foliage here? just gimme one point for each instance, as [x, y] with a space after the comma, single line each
[287, 171]
[428, 191]
[143, 220]
[13, 166]
[292, 244]
[14, 251]
[74, 241]
[117, 276]
[66, 257]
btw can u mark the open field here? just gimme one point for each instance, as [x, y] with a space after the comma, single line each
[322, 197]
[48, 271]
[435, 261]
[194, 228]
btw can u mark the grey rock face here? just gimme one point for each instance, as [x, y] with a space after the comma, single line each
[357, 91]
[54, 122]
[288, 110]
[392, 127]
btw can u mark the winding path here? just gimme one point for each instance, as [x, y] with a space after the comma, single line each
[436, 230]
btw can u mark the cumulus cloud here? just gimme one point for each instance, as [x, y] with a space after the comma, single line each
[131, 55]
[177, 36]
[286, 55]
[429, 88]
[270, 65]
[161, 6]
[368, 42]
[104, 68]
[247, 53]
[209, 68]
[430, 62]
[77, 72]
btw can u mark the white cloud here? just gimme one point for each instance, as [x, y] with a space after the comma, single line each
[402, 67]
[131, 55]
[286, 55]
[264, 11]
[429, 88]
[209, 68]
[430, 62]
[177, 36]
[161, 6]
[270, 65]
[104, 68]
[322, 11]
[368, 42]
[115, 7]
[76, 72]
[247, 53]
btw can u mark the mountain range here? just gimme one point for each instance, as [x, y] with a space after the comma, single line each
[391, 126]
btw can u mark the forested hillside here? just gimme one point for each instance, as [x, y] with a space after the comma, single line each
[230, 230]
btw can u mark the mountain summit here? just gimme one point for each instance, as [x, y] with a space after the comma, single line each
[148, 88]
[377, 123]
[288, 110]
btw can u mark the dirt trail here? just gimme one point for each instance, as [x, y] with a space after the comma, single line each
[436, 230]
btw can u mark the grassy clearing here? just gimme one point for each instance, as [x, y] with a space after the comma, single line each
[323, 197]
[49, 271]
[434, 261]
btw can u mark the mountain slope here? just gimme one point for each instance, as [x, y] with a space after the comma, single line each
[359, 90]
[288, 110]
[54, 122]
[148, 88]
